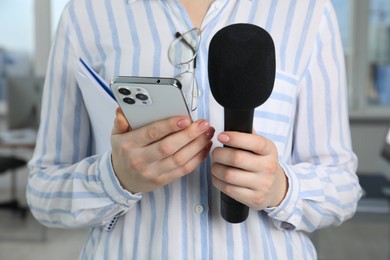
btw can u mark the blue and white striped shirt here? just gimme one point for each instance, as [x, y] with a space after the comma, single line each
[72, 183]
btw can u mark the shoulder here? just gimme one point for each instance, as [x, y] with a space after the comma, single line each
[296, 14]
[295, 26]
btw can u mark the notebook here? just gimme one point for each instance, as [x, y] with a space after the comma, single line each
[100, 105]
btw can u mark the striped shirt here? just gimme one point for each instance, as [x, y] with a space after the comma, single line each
[72, 183]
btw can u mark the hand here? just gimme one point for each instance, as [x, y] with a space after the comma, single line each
[248, 170]
[155, 155]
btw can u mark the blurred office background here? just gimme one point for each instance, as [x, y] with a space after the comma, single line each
[26, 29]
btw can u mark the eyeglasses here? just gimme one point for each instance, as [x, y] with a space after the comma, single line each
[181, 53]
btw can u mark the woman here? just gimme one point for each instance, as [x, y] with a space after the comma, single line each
[153, 192]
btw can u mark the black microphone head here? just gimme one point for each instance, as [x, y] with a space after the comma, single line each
[241, 66]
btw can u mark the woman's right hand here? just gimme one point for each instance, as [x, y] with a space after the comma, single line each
[157, 154]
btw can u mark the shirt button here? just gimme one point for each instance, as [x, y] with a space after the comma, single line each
[218, 5]
[199, 209]
[287, 226]
[281, 214]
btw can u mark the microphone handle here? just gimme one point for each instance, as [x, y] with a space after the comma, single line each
[241, 121]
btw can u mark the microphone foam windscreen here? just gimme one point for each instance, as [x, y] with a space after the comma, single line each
[241, 66]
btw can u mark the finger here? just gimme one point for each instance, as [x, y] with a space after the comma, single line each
[187, 168]
[234, 176]
[120, 123]
[249, 197]
[174, 142]
[241, 159]
[250, 142]
[184, 155]
[153, 132]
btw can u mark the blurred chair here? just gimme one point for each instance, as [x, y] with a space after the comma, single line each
[10, 164]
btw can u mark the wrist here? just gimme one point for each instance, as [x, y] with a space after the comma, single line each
[280, 188]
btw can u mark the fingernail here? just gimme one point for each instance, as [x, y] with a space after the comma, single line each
[210, 133]
[223, 138]
[183, 123]
[203, 125]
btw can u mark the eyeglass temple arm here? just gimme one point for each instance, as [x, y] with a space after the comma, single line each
[177, 35]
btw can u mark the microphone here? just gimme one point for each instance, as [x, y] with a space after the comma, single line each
[241, 68]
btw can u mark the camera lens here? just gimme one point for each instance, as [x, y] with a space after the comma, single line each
[141, 96]
[124, 91]
[129, 101]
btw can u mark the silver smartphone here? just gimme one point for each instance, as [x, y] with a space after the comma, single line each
[144, 100]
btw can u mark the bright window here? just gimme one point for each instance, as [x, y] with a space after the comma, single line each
[365, 29]
[379, 52]
[17, 25]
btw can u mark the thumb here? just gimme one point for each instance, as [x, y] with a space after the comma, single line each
[120, 123]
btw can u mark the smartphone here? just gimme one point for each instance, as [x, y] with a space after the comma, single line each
[144, 100]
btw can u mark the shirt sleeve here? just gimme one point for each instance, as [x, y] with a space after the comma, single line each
[323, 185]
[68, 185]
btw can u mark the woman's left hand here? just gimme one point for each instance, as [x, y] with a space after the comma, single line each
[247, 170]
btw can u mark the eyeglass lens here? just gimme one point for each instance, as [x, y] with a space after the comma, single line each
[182, 53]
[190, 89]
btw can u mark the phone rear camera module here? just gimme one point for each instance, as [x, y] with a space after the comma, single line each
[141, 96]
[124, 91]
[129, 101]
[134, 95]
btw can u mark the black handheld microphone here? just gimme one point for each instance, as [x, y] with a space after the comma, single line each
[241, 67]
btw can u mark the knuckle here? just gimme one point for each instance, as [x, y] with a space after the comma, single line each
[124, 149]
[186, 169]
[147, 175]
[237, 158]
[191, 134]
[151, 177]
[258, 200]
[230, 176]
[158, 181]
[183, 171]
[136, 162]
[261, 144]
[165, 148]
[178, 160]
[272, 166]
[153, 133]
[227, 189]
